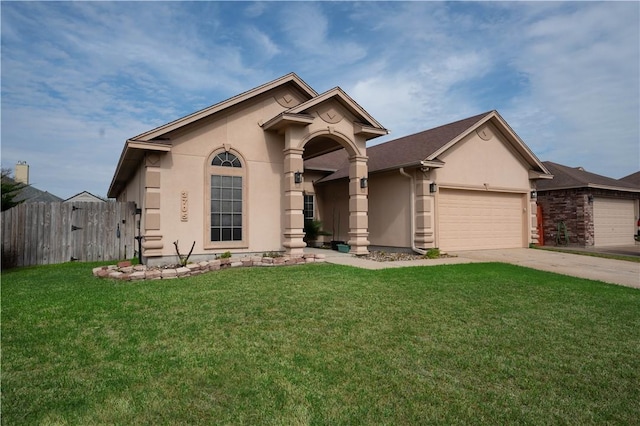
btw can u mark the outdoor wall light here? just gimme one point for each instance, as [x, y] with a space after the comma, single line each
[297, 177]
[534, 195]
[433, 187]
[364, 182]
[590, 198]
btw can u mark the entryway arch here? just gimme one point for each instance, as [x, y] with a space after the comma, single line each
[317, 142]
[328, 119]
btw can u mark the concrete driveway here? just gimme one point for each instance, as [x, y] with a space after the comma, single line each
[595, 268]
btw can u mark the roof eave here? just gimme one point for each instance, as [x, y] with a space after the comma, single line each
[538, 175]
[285, 119]
[369, 132]
[131, 149]
[321, 169]
[612, 188]
[592, 186]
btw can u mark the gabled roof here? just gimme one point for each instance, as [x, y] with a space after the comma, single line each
[368, 126]
[84, 196]
[134, 148]
[290, 78]
[633, 178]
[566, 177]
[346, 101]
[425, 147]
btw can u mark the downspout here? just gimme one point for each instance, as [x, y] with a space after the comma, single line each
[413, 216]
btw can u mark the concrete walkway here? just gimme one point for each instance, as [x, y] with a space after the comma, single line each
[608, 270]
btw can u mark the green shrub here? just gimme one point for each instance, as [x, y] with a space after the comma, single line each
[225, 255]
[433, 253]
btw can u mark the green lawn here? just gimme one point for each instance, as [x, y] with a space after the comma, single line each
[319, 344]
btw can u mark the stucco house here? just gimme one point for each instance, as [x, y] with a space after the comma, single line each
[586, 209]
[243, 174]
[462, 186]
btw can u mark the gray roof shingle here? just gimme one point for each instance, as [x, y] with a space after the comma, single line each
[401, 152]
[565, 177]
[633, 178]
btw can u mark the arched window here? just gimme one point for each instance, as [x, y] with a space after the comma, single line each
[226, 159]
[227, 216]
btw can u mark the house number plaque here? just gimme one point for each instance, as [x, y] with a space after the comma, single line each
[184, 206]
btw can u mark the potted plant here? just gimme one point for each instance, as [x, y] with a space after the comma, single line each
[312, 230]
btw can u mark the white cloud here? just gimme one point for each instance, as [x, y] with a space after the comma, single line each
[311, 33]
[78, 78]
[255, 9]
[582, 65]
[265, 47]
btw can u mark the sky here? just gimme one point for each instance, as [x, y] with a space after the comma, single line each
[80, 78]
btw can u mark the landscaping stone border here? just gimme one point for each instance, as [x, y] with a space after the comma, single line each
[125, 271]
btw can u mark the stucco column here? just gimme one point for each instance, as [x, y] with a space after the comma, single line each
[293, 203]
[425, 212]
[358, 206]
[152, 242]
[533, 221]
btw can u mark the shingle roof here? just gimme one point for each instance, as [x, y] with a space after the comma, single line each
[633, 178]
[401, 152]
[29, 194]
[329, 162]
[565, 177]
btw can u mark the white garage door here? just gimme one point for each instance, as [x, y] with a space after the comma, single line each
[471, 220]
[613, 222]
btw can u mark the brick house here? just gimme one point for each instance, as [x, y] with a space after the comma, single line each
[586, 209]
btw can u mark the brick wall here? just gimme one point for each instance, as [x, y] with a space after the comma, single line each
[572, 207]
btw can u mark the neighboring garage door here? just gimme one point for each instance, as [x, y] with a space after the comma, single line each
[613, 222]
[471, 220]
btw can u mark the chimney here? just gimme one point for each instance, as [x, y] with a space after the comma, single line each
[22, 172]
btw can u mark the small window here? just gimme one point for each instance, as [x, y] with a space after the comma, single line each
[226, 159]
[308, 209]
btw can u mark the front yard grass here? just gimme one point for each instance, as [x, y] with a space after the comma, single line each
[319, 344]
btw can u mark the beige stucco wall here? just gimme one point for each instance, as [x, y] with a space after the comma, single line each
[389, 209]
[135, 188]
[186, 169]
[475, 163]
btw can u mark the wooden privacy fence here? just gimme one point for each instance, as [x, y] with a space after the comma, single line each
[46, 233]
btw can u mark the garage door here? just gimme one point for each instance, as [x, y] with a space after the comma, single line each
[471, 220]
[613, 222]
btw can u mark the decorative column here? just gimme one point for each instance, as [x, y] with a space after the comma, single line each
[152, 243]
[533, 221]
[425, 220]
[358, 206]
[293, 202]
